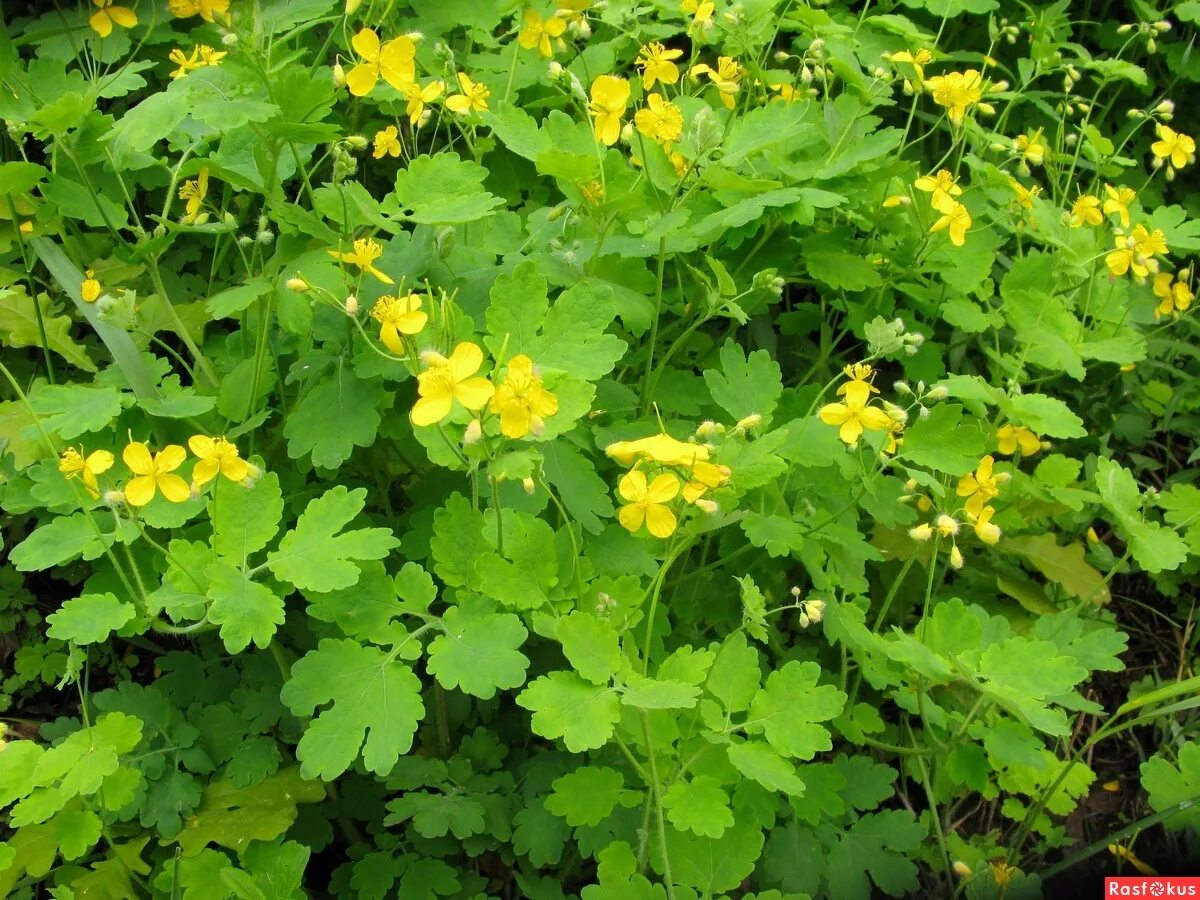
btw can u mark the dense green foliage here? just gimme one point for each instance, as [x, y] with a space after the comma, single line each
[617, 450]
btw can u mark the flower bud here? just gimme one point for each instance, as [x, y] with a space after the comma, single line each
[956, 557]
[339, 76]
[710, 507]
[961, 869]
[356, 142]
[473, 433]
[297, 285]
[922, 532]
[114, 498]
[529, 485]
[351, 305]
[751, 421]
[947, 526]
[940, 392]
[352, 6]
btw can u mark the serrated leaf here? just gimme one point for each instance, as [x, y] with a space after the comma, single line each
[441, 190]
[436, 815]
[74, 409]
[699, 805]
[587, 795]
[478, 651]
[375, 706]
[458, 541]
[59, 541]
[246, 610]
[1045, 415]
[745, 384]
[590, 645]
[339, 414]
[944, 442]
[317, 554]
[565, 706]
[244, 518]
[790, 704]
[878, 845]
[1154, 547]
[756, 760]
[1170, 785]
[89, 619]
[653, 693]
[1064, 565]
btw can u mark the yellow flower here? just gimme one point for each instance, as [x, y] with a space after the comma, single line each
[956, 92]
[418, 96]
[979, 487]
[660, 120]
[701, 12]
[957, 219]
[446, 380]
[784, 92]
[1135, 252]
[474, 96]
[73, 464]
[537, 32]
[703, 477]
[984, 529]
[194, 192]
[661, 448]
[647, 503]
[209, 56]
[387, 142]
[1030, 149]
[941, 188]
[1174, 296]
[1024, 194]
[1010, 437]
[1002, 872]
[1129, 856]
[107, 15]
[1174, 147]
[918, 61]
[854, 415]
[727, 77]
[217, 455]
[610, 95]
[656, 64]
[1118, 202]
[185, 63]
[206, 9]
[858, 373]
[392, 61]
[365, 252]
[154, 473]
[397, 316]
[521, 400]
[1086, 211]
[90, 289]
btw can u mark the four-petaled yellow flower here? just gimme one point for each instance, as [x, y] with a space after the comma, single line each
[1172, 147]
[1025, 195]
[538, 32]
[217, 455]
[208, 10]
[957, 92]
[154, 474]
[194, 191]
[660, 120]
[701, 12]
[387, 142]
[858, 373]
[474, 96]
[854, 415]
[522, 401]
[73, 464]
[1118, 200]
[107, 15]
[661, 448]
[90, 289]
[610, 96]
[726, 76]
[418, 96]
[186, 63]
[397, 316]
[957, 219]
[1030, 149]
[1135, 252]
[364, 254]
[941, 188]
[918, 61]
[647, 502]
[1173, 293]
[655, 61]
[1086, 211]
[784, 92]
[393, 61]
[209, 56]
[446, 380]
[1010, 437]
[979, 487]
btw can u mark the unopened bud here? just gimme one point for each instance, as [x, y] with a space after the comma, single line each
[708, 506]
[473, 433]
[947, 526]
[956, 557]
[339, 76]
[961, 869]
[751, 421]
[922, 532]
[352, 6]
[528, 484]
[297, 285]
[352, 305]
[940, 392]
[114, 498]
[356, 142]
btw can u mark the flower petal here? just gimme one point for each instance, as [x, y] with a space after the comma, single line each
[174, 488]
[660, 521]
[235, 469]
[202, 446]
[514, 421]
[98, 461]
[465, 360]
[366, 44]
[137, 457]
[632, 485]
[170, 458]
[631, 517]
[663, 488]
[140, 490]
[361, 79]
[834, 413]
[123, 16]
[474, 393]
[429, 410]
[206, 470]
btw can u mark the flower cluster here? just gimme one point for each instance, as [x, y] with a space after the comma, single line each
[202, 55]
[854, 414]
[154, 473]
[977, 489]
[680, 469]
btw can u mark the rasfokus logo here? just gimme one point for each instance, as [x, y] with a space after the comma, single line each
[1151, 886]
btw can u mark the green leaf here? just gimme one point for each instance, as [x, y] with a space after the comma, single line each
[72, 410]
[714, 866]
[1065, 565]
[441, 190]
[756, 760]
[19, 177]
[59, 541]
[754, 605]
[651, 693]
[436, 815]
[140, 128]
[478, 652]
[1170, 785]
[745, 384]
[518, 306]
[365, 610]
[539, 834]
[376, 705]
[879, 845]
[246, 610]
[317, 555]
[232, 816]
[19, 327]
[1045, 415]
[231, 301]
[585, 494]
[523, 577]
[77, 831]
[1026, 675]
[339, 414]
[244, 519]
[790, 704]
[590, 645]
[1154, 547]
[89, 619]
[458, 541]
[944, 442]
[734, 676]
[699, 805]
[587, 795]
[565, 706]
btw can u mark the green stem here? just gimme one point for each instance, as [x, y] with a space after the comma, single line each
[656, 788]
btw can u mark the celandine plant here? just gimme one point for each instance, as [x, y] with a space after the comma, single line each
[596, 449]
